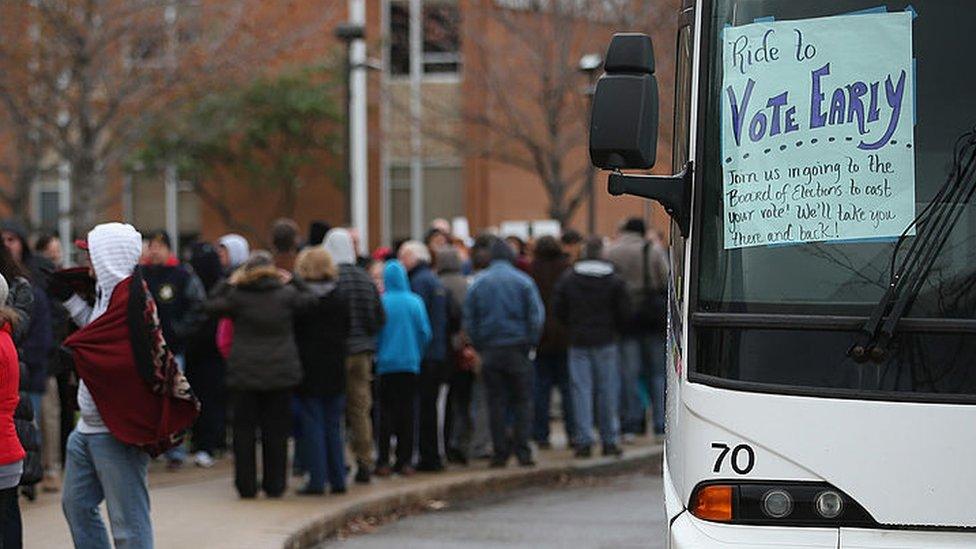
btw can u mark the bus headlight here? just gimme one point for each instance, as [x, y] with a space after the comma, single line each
[777, 503]
[829, 504]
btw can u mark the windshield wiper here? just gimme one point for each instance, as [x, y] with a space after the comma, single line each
[934, 225]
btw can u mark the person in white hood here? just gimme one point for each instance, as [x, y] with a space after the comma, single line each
[366, 318]
[99, 466]
[233, 250]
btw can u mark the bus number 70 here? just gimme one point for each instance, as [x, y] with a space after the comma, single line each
[736, 458]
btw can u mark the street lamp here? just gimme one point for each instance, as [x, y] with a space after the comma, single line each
[590, 65]
[349, 33]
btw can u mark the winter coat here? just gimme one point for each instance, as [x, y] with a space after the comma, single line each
[627, 256]
[21, 299]
[449, 272]
[264, 356]
[358, 291]
[321, 333]
[11, 450]
[35, 348]
[425, 283]
[593, 303]
[404, 338]
[503, 307]
[546, 272]
[179, 297]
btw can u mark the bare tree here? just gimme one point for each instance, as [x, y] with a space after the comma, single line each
[80, 80]
[525, 96]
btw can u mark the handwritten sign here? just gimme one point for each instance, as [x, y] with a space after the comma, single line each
[817, 130]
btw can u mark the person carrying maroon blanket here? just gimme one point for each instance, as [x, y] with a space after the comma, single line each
[134, 401]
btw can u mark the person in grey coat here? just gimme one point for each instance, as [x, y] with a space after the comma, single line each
[263, 367]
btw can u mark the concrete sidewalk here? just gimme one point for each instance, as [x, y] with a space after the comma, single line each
[199, 508]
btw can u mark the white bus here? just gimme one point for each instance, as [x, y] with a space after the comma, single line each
[822, 358]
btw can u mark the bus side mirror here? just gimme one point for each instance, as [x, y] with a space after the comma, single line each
[624, 120]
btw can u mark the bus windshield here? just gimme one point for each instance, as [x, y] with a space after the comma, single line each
[830, 126]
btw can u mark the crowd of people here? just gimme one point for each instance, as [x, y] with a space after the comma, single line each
[429, 352]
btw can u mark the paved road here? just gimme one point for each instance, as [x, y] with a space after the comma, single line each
[621, 512]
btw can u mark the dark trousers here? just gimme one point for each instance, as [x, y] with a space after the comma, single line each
[10, 528]
[207, 379]
[508, 381]
[458, 423]
[552, 371]
[322, 443]
[430, 381]
[269, 411]
[68, 399]
[397, 415]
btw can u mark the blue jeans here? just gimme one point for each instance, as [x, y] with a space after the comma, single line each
[178, 453]
[322, 441]
[655, 376]
[99, 467]
[595, 369]
[551, 370]
[631, 404]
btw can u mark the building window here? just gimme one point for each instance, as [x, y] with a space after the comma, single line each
[442, 38]
[443, 197]
[399, 38]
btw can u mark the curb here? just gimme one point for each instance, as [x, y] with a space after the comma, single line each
[478, 483]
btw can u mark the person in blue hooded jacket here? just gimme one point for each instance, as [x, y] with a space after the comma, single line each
[401, 347]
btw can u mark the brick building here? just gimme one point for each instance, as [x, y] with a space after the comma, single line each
[495, 77]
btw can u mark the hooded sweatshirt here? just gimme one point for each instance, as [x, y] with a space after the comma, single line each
[358, 291]
[237, 248]
[114, 249]
[503, 307]
[592, 301]
[406, 334]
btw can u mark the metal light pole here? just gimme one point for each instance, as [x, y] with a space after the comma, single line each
[590, 64]
[350, 33]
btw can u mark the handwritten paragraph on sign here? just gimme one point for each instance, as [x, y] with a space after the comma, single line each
[817, 130]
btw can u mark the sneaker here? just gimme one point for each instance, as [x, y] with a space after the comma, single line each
[405, 471]
[528, 462]
[383, 471]
[174, 465]
[51, 484]
[204, 460]
[498, 463]
[612, 450]
[362, 475]
[583, 452]
[337, 490]
[628, 438]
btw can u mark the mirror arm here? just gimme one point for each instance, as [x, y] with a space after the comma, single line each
[671, 191]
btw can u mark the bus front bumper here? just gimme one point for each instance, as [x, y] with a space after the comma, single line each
[688, 532]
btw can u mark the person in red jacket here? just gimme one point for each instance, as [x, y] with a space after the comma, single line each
[11, 452]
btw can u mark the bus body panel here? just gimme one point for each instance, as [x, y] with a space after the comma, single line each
[907, 468]
[856, 538]
[688, 532]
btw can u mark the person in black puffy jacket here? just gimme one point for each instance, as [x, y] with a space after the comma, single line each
[592, 301]
[321, 334]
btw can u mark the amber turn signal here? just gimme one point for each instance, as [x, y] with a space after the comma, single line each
[713, 502]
